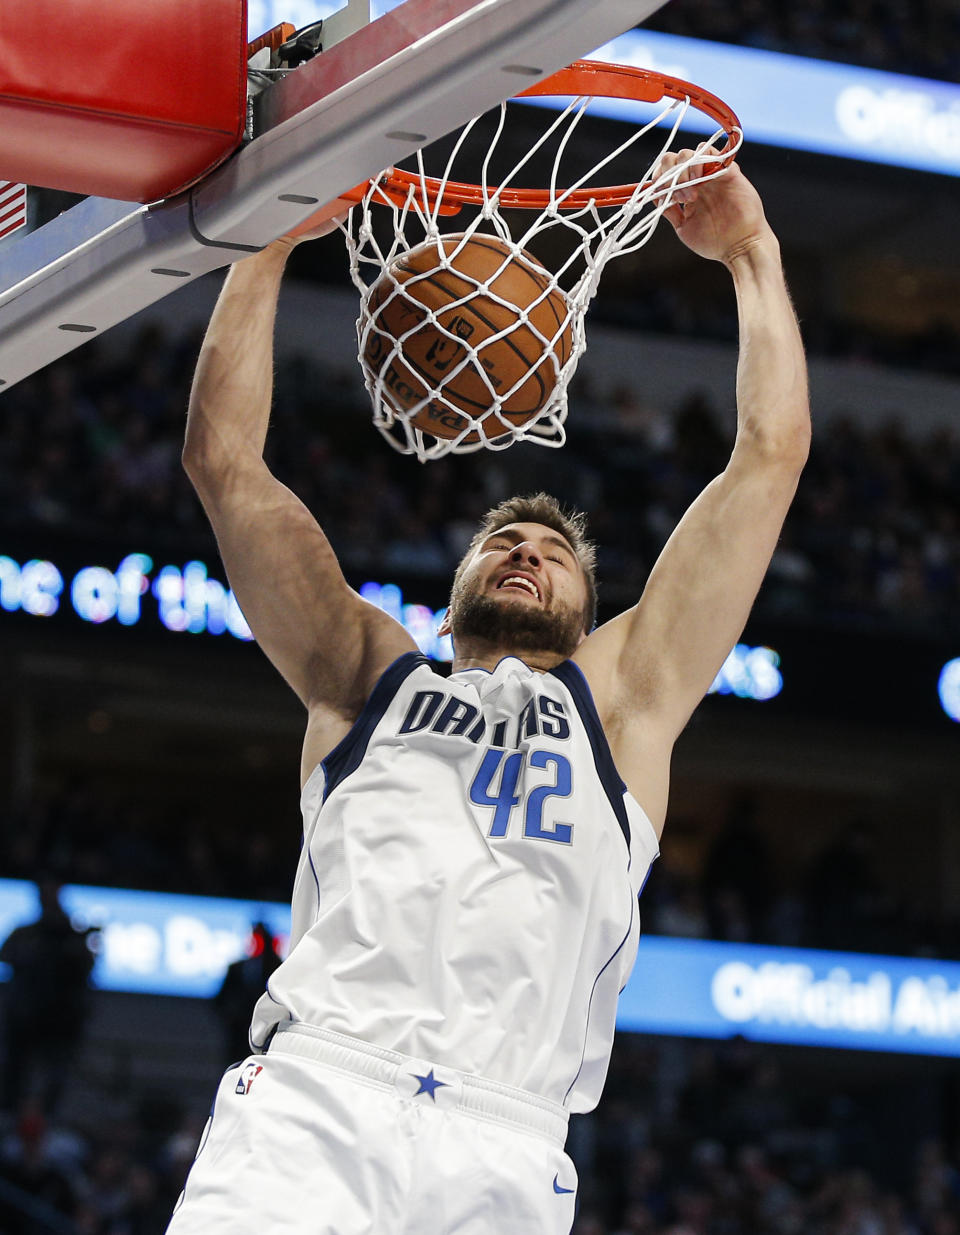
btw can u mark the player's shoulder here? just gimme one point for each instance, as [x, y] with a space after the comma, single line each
[328, 728]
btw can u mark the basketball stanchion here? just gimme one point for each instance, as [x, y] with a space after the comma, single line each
[466, 340]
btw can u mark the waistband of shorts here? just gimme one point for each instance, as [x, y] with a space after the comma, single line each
[478, 1095]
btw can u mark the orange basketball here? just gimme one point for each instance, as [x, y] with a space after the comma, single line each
[427, 356]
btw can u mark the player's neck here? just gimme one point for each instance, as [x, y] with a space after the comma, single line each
[486, 656]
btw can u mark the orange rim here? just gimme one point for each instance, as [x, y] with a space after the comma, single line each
[583, 77]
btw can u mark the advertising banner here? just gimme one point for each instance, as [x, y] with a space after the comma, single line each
[160, 943]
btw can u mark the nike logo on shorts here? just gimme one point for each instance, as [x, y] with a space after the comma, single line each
[556, 1185]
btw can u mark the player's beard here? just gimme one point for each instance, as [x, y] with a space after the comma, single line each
[515, 625]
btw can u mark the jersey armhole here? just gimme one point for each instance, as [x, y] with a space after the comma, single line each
[349, 751]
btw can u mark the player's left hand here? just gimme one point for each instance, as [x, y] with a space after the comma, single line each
[720, 219]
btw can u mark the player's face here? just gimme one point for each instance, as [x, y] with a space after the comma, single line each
[524, 589]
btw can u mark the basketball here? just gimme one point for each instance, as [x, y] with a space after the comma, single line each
[490, 288]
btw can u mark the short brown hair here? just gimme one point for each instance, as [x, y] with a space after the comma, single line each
[542, 508]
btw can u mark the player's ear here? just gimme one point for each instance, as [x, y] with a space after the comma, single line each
[444, 627]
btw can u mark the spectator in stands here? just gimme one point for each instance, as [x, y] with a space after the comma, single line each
[244, 983]
[46, 1002]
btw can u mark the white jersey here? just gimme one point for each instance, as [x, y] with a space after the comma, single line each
[468, 882]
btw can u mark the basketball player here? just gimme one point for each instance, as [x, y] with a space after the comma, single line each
[464, 912]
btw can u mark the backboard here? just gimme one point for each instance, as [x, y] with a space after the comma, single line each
[386, 89]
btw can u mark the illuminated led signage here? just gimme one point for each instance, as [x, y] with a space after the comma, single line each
[34, 587]
[419, 621]
[782, 100]
[183, 598]
[160, 943]
[806, 104]
[153, 942]
[792, 995]
[749, 673]
[186, 599]
[948, 688]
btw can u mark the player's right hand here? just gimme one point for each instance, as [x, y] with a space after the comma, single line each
[718, 219]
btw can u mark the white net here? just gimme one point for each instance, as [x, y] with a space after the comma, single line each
[454, 358]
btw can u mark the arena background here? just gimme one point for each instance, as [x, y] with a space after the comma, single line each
[815, 801]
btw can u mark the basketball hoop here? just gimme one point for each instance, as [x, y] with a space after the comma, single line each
[598, 221]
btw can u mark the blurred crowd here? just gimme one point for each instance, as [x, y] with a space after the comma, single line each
[661, 307]
[87, 830]
[922, 37]
[90, 448]
[735, 1139]
[746, 887]
[690, 1139]
[58, 1178]
[68, 1164]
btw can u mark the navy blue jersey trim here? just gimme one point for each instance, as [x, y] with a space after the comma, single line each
[593, 991]
[348, 754]
[571, 675]
[316, 880]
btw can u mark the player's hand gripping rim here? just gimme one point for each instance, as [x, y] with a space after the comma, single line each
[720, 218]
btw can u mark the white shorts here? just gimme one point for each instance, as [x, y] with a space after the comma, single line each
[325, 1135]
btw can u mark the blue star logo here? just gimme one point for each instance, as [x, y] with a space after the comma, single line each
[429, 1084]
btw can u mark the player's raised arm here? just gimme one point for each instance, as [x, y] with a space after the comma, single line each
[651, 666]
[328, 643]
